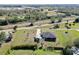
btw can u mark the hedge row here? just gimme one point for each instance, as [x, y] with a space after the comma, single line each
[24, 47]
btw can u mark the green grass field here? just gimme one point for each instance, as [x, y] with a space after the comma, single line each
[20, 38]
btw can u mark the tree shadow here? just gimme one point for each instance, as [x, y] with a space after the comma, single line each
[24, 48]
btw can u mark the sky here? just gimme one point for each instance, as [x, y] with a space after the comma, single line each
[39, 1]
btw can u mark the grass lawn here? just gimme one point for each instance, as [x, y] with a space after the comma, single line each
[21, 52]
[42, 52]
[21, 38]
[5, 49]
[62, 38]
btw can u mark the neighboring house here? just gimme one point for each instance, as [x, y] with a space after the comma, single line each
[8, 36]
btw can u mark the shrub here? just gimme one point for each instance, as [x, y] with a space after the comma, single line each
[76, 43]
[15, 27]
[24, 47]
[3, 22]
[2, 37]
[76, 20]
[69, 24]
[13, 21]
[56, 26]
[67, 51]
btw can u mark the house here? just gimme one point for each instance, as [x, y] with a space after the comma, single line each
[44, 36]
[47, 36]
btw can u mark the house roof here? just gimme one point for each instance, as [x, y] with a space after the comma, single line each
[48, 35]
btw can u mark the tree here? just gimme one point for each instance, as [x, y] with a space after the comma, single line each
[59, 19]
[67, 51]
[76, 20]
[56, 26]
[31, 24]
[53, 19]
[67, 26]
[15, 27]
[68, 14]
[76, 43]
[2, 37]
[56, 19]
[67, 21]
[3, 22]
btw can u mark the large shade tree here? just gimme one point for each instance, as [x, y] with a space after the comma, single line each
[2, 37]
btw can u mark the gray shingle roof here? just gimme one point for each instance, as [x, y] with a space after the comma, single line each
[48, 35]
